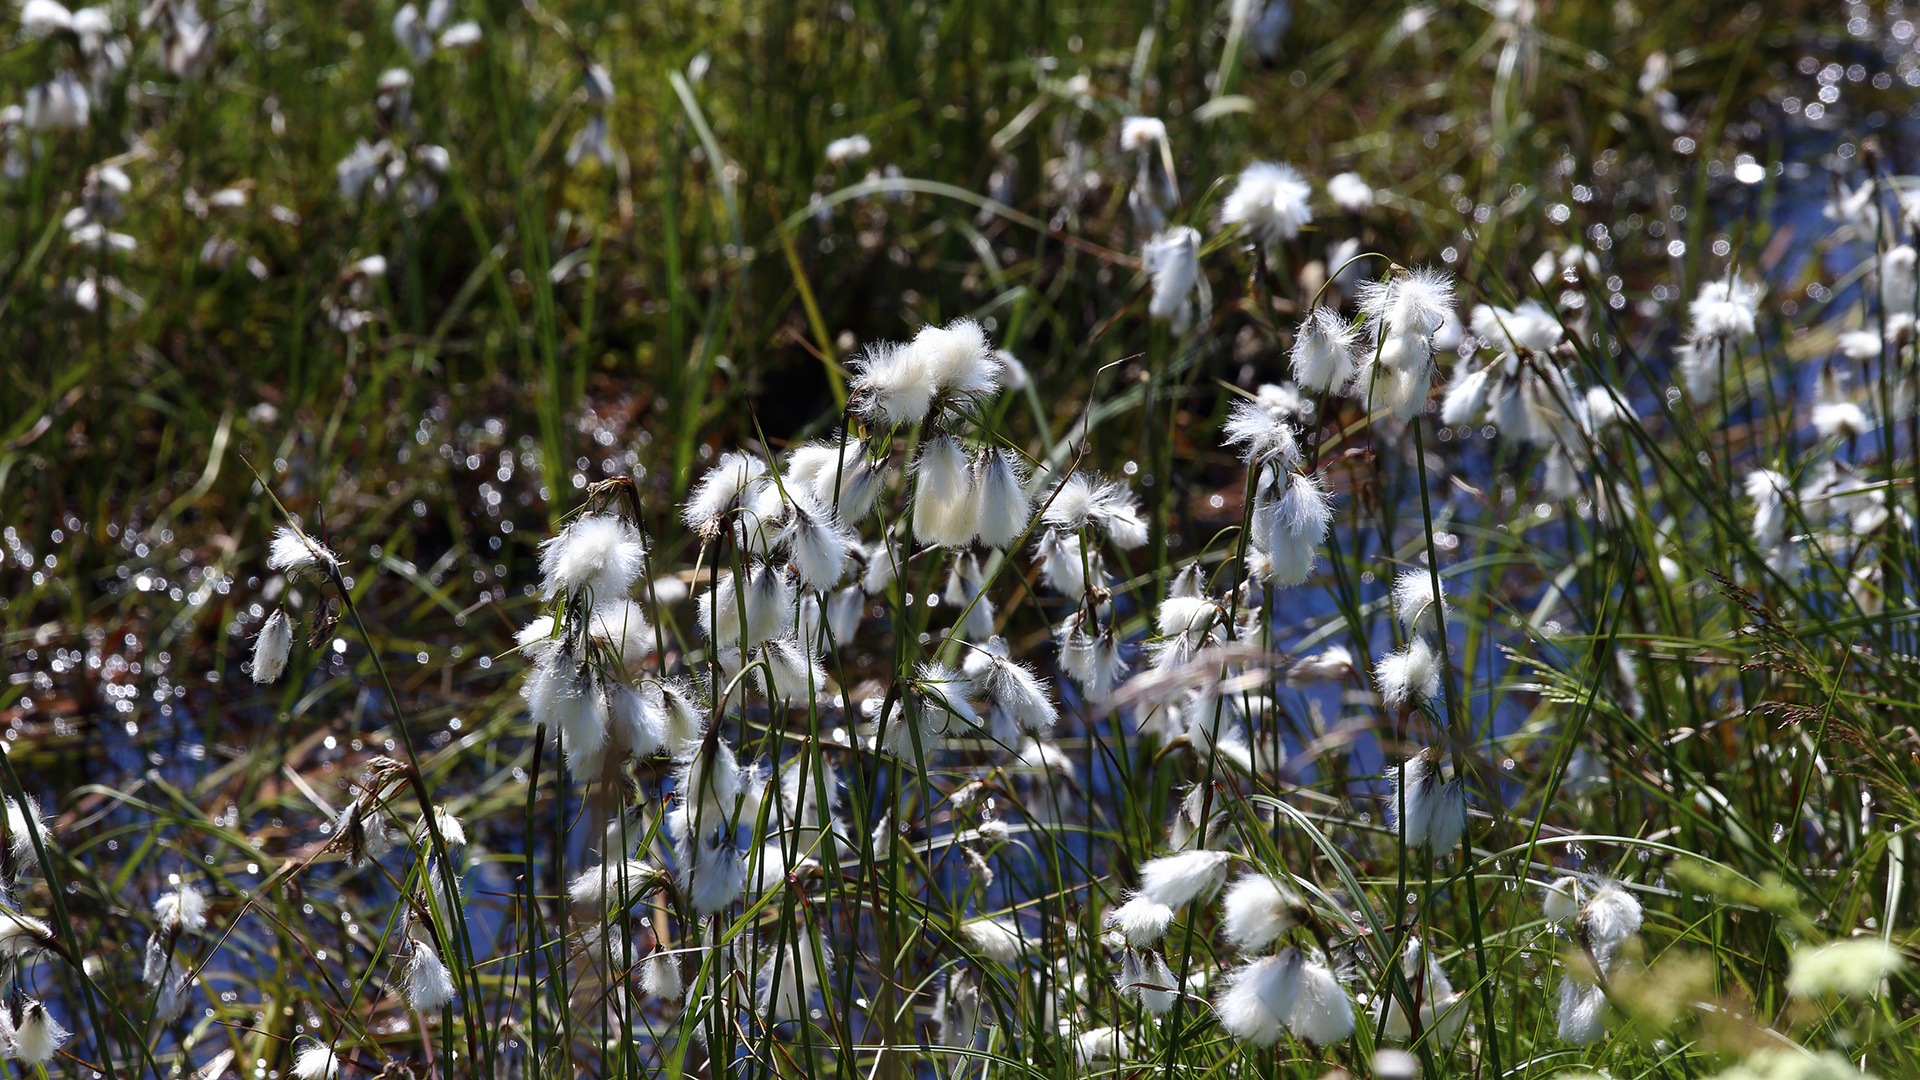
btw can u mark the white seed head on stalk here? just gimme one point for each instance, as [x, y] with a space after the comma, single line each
[995, 939]
[1260, 996]
[1004, 509]
[1179, 879]
[1257, 910]
[598, 554]
[1322, 1013]
[38, 1036]
[316, 1061]
[1350, 193]
[724, 486]
[1272, 200]
[957, 358]
[1409, 673]
[1415, 796]
[272, 647]
[1323, 351]
[1141, 921]
[1262, 435]
[1330, 664]
[182, 908]
[1172, 259]
[1724, 310]
[294, 552]
[1528, 326]
[1582, 1012]
[946, 504]
[428, 985]
[1449, 822]
[891, 386]
[1414, 601]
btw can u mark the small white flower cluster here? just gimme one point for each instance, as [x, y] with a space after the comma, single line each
[1721, 317]
[1412, 673]
[1404, 314]
[1292, 510]
[1427, 811]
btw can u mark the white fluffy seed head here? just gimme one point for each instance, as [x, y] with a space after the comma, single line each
[1322, 354]
[1260, 997]
[1449, 822]
[957, 359]
[1413, 600]
[1261, 434]
[1322, 1013]
[1528, 326]
[1416, 790]
[1272, 200]
[39, 1036]
[1350, 193]
[816, 542]
[1561, 901]
[272, 647]
[1582, 1013]
[1142, 921]
[1014, 687]
[1176, 880]
[293, 552]
[1257, 910]
[182, 908]
[599, 554]
[1330, 664]
[1409, 674]
[1724, 310]
[946, 504]
[996, 939]
[891, 386]
[1004, 509]
[1141, 131]
[1465, 401]
[1608, 919]
[316, 1061]
[1172, 260]
[428, 984]
[723, 486]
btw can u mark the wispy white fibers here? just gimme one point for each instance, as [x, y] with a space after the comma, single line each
[1176, 880]
[965, 590]
[272, 647]
[1145, 977]
[316, 1061]
[428, 983]
[1261, 434]
[1272, 200]
[1257, 910]
[1409, 673]
[1724, 310]
[1330, 664]
[1004, 510]
[1768, 490]
[707, 865]
[1414, 601]
[946, 504]
[1465, 401]
[1260, 996]
[786, 982]
[1172, 259]
[823, 471]
[816, 541]
[723, 487]
[1350, 193]
[768, 600]
[598, 554]
[1436, 1002]
[1404, 311]
[294, 552]
[1582, 1013]
[1014, 688]
[1155, 191]
[1415, 797]
[621, 625]
[1081, 500]
[1291, 529]
[1322, 356]
[1607, 921]
[1142, 921]
[957, 359]
[996, 939]
[39, 1036]
[1528, 326]
[1322, 1013]
[1561, 900]
[891, 386]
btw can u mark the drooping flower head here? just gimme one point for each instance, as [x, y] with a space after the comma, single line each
[1272, 200]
